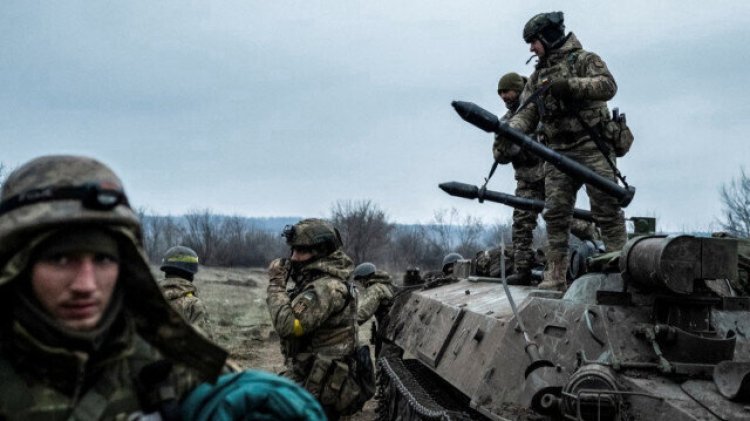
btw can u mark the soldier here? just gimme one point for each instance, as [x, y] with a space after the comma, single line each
[180, 264]
[569, 87]
[449, 262]
[317, 320]
[529, 175]
[375, 299]
[85, 333]
[377, 294]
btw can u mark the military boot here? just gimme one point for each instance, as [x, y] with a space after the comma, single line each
[521, 276]
[554, 273]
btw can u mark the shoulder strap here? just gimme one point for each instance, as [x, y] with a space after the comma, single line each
[604, 149]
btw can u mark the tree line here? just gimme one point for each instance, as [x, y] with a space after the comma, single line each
[367, 232]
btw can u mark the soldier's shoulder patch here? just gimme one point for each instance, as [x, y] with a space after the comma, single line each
[303, 302]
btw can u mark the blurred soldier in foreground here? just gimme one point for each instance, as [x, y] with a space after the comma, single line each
[317, 319]
[85, 333]
[529, 175]
[180, 264]
[569, 89]
[375, 299]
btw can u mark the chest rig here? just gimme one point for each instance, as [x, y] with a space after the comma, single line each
[560, 119]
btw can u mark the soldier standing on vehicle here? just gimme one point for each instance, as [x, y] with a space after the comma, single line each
[180, 264]
[569, 88]
[85, 333]
[317, 319]
[529, 175]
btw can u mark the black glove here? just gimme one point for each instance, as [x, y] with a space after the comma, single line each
[560, 89]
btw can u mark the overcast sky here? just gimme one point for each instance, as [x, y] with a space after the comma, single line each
[275, 108]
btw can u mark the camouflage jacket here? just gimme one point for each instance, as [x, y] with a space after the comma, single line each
[527, 167]
[319, 315]
[376, 297]
[182, 295]
[40, 381]
[591, 86]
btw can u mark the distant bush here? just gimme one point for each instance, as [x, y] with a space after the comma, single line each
[366, 231]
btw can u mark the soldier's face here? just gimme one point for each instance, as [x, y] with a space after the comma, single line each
[537, 48]
[75, 288]
[301, 254]
[509, 96]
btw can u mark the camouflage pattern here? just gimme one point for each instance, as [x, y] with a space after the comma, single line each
[317, 325]
[488, 262]
[591, 85]
[376, 296]
[312, 232]
[524, 223]
[48, 372]
[41, 382]
[529, 175]
[183, 296]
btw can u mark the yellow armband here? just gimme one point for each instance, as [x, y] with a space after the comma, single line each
[298, 331]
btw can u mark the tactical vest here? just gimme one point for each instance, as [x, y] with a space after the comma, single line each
[560, 125]
[335, 337]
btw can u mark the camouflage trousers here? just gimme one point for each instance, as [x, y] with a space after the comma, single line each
[524, 223]
[561, 191]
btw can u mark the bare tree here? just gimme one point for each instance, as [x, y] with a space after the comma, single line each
[202, 234]
[410, 246]
[365, 229]
[450, 232]
[735, 197]
[498, 233]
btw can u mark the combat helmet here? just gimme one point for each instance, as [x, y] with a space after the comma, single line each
[313, 233]
[363, 270]
[511, 82]
[57, 192]
[180, 258]
[449, 260]
[549, 28]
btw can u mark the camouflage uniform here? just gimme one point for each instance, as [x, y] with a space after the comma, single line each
[48, 371]
[182, 295]
[316, 323]
[529, 175]
[590, 85]
[376, 298]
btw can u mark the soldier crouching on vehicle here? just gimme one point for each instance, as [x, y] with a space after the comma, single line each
[317, 320]
[180, 264]
[85, 333]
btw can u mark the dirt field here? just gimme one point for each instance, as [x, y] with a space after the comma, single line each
[236, 301]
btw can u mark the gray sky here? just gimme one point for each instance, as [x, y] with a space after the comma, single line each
[269, 108]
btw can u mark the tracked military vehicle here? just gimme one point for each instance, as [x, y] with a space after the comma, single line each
[653, 332]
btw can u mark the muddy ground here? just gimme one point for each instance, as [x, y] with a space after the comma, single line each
[236, 302]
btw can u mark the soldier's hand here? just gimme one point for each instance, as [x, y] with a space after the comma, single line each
[277, 271]
[503, 151]
[560, 89]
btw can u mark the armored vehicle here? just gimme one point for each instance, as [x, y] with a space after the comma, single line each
[654, 333]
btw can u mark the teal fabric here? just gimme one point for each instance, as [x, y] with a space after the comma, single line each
[251, 395]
